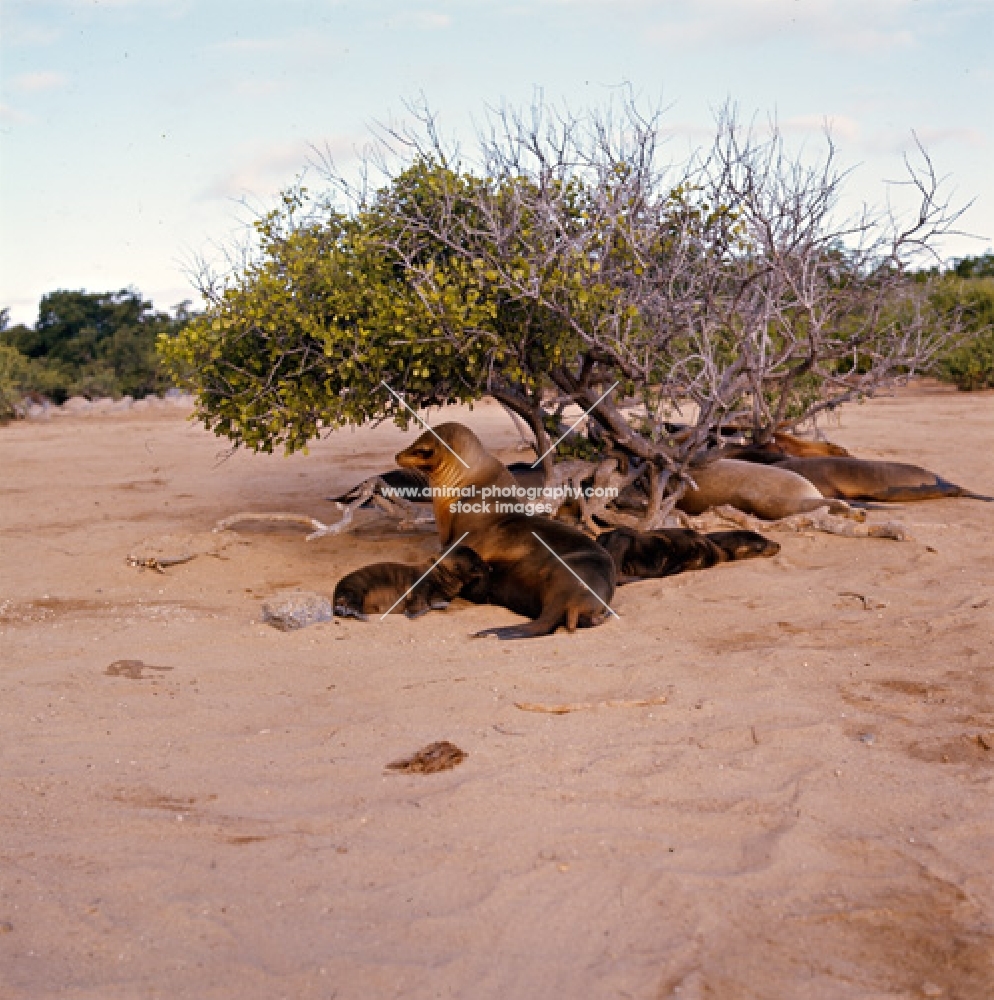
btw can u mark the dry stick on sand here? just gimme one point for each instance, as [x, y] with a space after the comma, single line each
[820, 520]
[318, 528]
[406, 512]
[583, 706]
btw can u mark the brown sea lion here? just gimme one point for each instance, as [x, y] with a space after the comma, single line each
[800, 448]
[767, 491]
[863, 479]
[645, 555]
[539, 568]
[413, 590]
[780, 448]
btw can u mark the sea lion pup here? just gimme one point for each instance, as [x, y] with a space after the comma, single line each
[645, 555]
[380, 587]
[767, 491]
[864, 479]
[538, 577]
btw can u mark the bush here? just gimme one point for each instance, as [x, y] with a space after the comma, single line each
[89, 344]
[969, 363]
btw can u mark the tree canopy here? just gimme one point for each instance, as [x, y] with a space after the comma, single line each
[570, 265]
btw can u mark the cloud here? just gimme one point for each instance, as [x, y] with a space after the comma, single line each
[938, 136]
[32, 83]
[263, 173]
[426, 20]
[11, 116]
[298, 44]
[837, 126]
[892, 142]
[853, 25]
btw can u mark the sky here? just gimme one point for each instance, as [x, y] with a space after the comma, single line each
[139, 136]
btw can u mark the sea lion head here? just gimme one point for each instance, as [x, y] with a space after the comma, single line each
[445, 454]
[465, 575]
[744, 544]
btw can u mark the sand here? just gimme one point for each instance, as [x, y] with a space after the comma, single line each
[810, 814]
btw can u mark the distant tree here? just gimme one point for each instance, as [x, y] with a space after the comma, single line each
[966, 291]
[97, 343]
[975, 267]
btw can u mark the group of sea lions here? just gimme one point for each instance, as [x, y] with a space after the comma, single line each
[554, 573]
[538, 567]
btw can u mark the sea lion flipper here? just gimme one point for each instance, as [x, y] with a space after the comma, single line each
[343, 611]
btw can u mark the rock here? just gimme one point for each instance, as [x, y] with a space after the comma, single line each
[296, 610]
[122, 404]
[102, 405]
[140, 404]
[77, 404]
[38, 412]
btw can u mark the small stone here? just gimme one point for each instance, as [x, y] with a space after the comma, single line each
[6, 927]
[867, 738]
[296, 610]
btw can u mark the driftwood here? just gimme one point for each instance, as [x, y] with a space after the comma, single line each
[818, 520]
[318, 528]
[408, 514]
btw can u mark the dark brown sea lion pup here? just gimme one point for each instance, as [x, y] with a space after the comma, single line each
[766, 491]
[863, 479]
[559, 577]
[645, 555]
[376, 589]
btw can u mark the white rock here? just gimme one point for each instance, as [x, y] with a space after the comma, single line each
[296, 609]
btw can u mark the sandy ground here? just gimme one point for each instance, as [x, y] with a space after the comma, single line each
[810, 815]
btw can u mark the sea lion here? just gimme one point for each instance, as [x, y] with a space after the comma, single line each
[641, 555]
[767, 491]
[800, 448]
[539, 568]
[780, 448]
[413, 590]
[864, 479]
